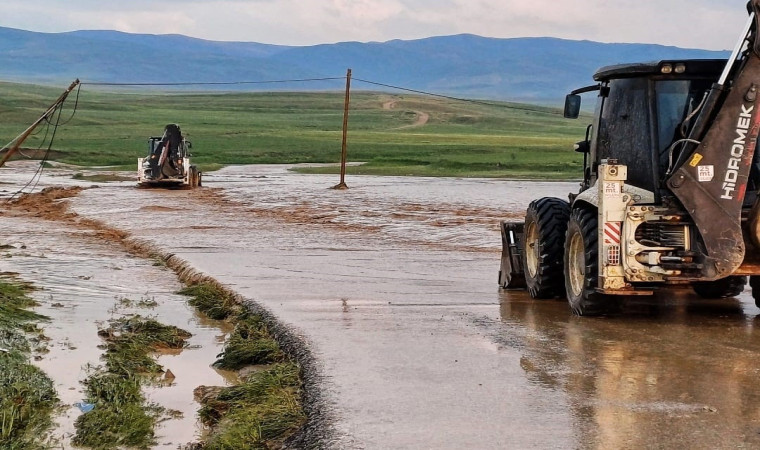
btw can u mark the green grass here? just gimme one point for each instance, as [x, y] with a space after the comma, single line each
[249, 344]
[264, 410]
[460, 139]
[27, 395]
[121, 416]
[211, 301]
[130, 342]
[260, 413]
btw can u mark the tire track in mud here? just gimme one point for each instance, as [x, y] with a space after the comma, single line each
[51, 204]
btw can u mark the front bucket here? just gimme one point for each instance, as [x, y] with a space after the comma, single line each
[511, 272]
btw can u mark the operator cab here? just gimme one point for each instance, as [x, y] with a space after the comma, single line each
[641, 111]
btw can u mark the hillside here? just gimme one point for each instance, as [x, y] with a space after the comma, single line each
[535, 69]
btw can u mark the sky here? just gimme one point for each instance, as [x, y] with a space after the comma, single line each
[706, 24]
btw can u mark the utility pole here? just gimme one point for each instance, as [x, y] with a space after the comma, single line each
[344, 149]
[16, 143]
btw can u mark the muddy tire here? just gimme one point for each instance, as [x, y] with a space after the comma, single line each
[193, 181]
[544, 237]
[754, 283]
[723, 288]
[582, 264]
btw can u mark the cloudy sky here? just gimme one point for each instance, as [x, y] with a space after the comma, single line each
[708, 24]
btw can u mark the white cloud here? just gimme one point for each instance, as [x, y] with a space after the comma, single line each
[710, 24]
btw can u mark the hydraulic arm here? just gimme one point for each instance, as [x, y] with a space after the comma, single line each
[710, 177]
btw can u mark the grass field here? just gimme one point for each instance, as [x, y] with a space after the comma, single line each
[459, 138]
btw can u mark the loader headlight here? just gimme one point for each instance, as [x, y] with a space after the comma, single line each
[666, 69]
[680, 68]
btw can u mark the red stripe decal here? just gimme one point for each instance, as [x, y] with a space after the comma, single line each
[612, 231]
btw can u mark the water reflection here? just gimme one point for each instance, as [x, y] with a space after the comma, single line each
[669, 371]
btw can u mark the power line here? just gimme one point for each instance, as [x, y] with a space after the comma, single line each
[306, 80]
[217, 83]
[467, 100]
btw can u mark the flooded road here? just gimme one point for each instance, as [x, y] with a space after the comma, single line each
[82, 281]
[393, 286]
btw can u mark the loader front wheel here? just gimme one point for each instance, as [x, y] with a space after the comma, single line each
[723, 288]
[193, 177]
[582, 264]
[544, 236]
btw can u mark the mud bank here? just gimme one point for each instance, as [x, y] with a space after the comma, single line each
[51, 205]
[318, 430]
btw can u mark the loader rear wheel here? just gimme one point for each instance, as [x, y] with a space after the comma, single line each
[193, 177]
[545, 226]
[582, 264]
[723, 288]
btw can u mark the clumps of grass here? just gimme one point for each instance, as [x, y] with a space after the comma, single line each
[249, 344]
[266, 409]
[144, 303]
[130, 342]
[120, 416]
[148, 303]
[212, 301]
[262, 412]
[27, 395]
[27, 401]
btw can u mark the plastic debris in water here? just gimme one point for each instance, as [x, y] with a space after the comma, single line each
[85, 407]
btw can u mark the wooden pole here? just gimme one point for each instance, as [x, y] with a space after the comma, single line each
[344, 147]
[16, 143]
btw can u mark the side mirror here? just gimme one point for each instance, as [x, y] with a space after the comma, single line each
[572, 106]
[583, 147]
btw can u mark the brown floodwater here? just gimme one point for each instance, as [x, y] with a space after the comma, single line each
[393, 286]
[83, 282]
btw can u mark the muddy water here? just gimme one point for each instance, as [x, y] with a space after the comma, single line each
[393, 284]
[462, 213]
[83, 282]
[672, 371]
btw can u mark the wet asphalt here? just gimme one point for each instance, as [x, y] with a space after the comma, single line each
[392, 286]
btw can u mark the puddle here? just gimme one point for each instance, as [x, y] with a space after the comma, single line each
[82, 283]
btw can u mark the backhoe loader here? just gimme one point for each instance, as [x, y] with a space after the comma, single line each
[670, 187]
[168, 162]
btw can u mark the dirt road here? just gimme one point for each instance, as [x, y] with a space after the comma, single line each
[392, 286]
[421, 117]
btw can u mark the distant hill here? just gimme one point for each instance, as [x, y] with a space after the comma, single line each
[533, 69]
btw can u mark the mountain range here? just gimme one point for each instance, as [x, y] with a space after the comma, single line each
[527, 69]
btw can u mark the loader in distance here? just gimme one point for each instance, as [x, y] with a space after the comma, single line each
[168, 162]
[669, 193]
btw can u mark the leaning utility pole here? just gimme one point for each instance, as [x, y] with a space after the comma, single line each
[15, 144]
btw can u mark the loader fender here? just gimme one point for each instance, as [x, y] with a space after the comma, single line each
[589, 196]
[640, 196]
